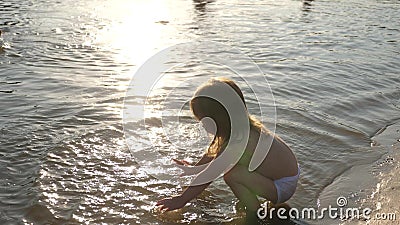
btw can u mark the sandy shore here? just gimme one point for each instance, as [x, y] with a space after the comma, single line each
[387, 197]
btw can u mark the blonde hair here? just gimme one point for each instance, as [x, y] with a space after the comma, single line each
[202, 106]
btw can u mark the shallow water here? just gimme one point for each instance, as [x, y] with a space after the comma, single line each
[333, 68]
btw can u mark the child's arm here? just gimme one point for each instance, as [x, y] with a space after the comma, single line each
[204, 160]
[190, 192]
[192, 170]
[179, 201]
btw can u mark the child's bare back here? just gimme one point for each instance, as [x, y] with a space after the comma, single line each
[279, 162]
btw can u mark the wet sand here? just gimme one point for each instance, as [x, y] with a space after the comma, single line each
[387, 196]
[385, 200]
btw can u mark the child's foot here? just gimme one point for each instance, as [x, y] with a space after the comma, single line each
[251, 218]
[239, 206]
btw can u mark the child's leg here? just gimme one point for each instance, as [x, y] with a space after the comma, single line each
[244, 195]
[247, 185]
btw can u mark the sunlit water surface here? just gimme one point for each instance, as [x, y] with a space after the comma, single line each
[333, 67]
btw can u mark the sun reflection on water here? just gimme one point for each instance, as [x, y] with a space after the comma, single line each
[138, 29]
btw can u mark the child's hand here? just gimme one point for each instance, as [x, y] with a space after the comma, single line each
[181, 162]
[173, 203]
